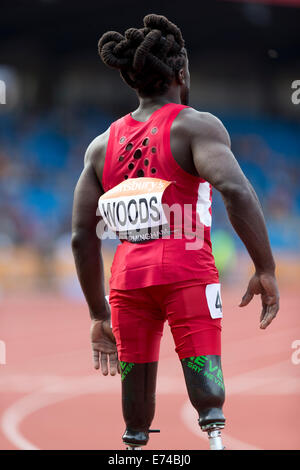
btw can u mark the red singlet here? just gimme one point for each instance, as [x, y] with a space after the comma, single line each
[143, 149]
[170, 278]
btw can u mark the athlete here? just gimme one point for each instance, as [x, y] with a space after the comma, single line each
[151, 176]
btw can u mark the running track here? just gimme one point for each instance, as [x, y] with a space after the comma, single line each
[51, 398]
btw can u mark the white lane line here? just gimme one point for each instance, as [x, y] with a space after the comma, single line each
[48, 390]
[57, 390]
[189, 417]
[281, 378]
[275, 379]
[281, 338]
[15, 414]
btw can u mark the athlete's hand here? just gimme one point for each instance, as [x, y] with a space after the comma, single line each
[104, 347]
[264, 284]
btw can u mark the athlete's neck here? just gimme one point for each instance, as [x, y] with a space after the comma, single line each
[147, 104]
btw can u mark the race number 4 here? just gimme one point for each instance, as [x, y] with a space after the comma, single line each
[214, 300]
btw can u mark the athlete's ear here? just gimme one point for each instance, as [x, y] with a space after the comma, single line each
[181, 78]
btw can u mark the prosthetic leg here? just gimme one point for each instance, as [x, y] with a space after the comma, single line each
[136, 440]
[138, 402]
[205, 386]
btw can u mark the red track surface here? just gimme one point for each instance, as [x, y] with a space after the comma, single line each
[51, 398]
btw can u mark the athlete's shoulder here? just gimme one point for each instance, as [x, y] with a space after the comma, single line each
[203, 125]
[97, 148]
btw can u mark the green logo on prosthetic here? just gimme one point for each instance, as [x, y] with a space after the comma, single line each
[215, 374]
[125, 368]
[196, 363]
[212, 372]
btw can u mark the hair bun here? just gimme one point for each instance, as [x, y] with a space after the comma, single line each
[164, 25]
[136, 36]
[151, 40]
[148, 58]
[110, 47]
[108, 37]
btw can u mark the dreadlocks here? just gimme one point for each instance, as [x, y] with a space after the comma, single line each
[148, 58]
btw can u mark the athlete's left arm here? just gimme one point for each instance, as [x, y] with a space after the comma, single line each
[215, 162]
[86, 248]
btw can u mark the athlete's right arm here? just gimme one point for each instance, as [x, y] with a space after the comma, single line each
[86, 245]
[86, 248]
[214, 161]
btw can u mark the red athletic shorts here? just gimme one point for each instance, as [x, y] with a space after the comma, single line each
[193, 311]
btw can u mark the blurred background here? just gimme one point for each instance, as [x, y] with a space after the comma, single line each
[244, 58]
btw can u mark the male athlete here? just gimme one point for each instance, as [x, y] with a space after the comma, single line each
[163, 155]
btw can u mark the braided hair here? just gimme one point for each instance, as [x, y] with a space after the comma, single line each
[148, 58]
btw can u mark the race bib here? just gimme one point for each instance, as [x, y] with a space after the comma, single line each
[214, 301]
[133, 209]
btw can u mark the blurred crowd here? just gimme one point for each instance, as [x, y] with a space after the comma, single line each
[268, 151]
[41, 157]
